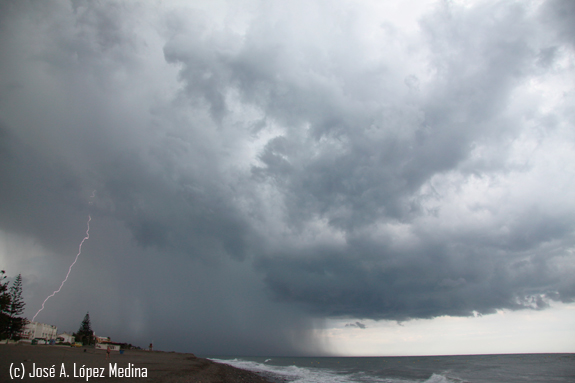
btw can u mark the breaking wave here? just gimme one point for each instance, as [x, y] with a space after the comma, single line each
[298, 374]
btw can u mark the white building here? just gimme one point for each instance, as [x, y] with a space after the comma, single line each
[105, 345]
[65, 338]
[102, 339]
[39, 330]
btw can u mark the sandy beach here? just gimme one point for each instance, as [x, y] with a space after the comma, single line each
[71, 364]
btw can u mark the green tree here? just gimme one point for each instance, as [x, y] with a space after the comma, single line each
[4, 304]
[15, 309]
[85, 333]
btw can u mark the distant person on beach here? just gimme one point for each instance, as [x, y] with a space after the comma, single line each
[151, 347]
[108, 352]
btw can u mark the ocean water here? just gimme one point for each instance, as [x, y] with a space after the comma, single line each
[519, 368]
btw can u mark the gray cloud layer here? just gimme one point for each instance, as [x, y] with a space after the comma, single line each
[263, 165]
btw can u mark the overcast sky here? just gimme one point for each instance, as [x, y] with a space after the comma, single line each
[293, 177]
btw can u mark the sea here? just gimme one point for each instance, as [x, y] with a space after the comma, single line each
[516, 368]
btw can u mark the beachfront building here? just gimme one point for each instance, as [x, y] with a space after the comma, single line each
[102, 339]
[39, 330]
[104, 346]
[65, 338]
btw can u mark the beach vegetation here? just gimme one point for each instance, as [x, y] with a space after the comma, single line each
[16, 322]
[4, 303]
[85, 334]
[11, 307]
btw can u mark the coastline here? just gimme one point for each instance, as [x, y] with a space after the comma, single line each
[74, 364]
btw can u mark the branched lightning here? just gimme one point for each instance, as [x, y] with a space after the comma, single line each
[69, 269]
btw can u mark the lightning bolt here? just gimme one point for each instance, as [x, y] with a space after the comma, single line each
[69, 269]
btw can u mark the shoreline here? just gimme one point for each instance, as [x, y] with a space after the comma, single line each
[47, 363]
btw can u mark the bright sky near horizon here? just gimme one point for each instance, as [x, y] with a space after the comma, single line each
[505, 332]
[294, 178]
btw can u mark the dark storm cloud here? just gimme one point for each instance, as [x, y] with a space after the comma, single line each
[163, 219]
[559, 14]
[300, 162]
[369, 280]
[356, 324]
[28, 181]
[142, 186]
[355, 163]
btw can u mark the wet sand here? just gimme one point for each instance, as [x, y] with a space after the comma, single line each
[73, 364]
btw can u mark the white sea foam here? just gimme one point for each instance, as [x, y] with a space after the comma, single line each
[446, 369]
[318, 375]
[291, 373]
[436, 378]
[439, 378]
